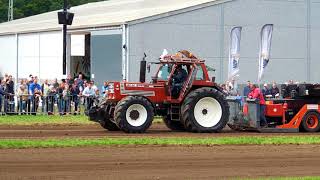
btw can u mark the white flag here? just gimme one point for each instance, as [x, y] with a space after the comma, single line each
[265, 47]
[234, 52]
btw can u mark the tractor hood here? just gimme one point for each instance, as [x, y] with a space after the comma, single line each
[118, 90]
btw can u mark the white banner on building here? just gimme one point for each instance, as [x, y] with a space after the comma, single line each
[234, 52]
[265, 47]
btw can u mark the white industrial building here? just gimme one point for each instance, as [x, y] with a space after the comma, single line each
[107, 39]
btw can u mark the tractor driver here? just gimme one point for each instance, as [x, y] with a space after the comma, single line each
[179, 77]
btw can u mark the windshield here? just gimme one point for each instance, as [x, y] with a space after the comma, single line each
[164, 71]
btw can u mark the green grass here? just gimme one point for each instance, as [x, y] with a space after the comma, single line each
[25, 120]
[76, 142]
[43, 120]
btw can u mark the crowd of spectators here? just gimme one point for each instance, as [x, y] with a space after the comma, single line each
[67, 94]
[268, 90]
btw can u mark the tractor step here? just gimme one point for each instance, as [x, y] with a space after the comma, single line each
[175, 112]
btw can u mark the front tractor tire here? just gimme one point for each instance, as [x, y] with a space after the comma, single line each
[205, 110]
[106, 121]
[134, 114]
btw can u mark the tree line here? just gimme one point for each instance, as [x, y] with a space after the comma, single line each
[25, 8]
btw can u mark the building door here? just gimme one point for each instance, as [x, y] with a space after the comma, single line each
[106, 56]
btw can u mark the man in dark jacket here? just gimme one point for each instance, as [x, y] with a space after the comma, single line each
[179, 77]
[246, 89]
[275, 90]
[2, 94]
[75, 93]
[9, 100]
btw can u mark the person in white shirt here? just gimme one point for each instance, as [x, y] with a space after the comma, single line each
[89, 93]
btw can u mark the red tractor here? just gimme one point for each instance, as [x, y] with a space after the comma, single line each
[194, 104]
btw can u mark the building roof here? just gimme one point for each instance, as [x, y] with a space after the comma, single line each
[101, 14]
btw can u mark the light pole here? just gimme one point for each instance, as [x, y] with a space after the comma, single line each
[65, 18]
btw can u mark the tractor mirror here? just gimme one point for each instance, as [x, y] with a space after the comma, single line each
[148, 67]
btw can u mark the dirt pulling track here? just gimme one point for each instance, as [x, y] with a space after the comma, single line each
[95, 131]
[151, 162]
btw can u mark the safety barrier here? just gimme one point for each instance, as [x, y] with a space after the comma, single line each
[50, 105]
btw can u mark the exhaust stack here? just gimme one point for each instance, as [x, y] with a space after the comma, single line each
[143, 69]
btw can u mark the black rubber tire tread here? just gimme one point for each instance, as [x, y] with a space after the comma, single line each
[173, 125]
[104, 119]
[304, 122]
[189, 103]
[120, 114]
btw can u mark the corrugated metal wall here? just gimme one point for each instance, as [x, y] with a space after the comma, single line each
[39, 54]
[205, 32]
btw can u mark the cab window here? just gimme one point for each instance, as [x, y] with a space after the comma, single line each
[199, 75]
[164, 71]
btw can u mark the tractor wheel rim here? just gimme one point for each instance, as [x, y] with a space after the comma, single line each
[208, 112]
[136, 115]
[312, 121]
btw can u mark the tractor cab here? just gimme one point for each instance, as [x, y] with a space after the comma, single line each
[181, 73]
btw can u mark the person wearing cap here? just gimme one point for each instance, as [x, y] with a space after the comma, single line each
[179, 77]
[265, 90]
[257, 94]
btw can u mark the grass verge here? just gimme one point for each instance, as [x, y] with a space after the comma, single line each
[25, 120]
[76, 142]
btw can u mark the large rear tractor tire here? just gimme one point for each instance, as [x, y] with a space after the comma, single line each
[173, 125]
[106, 120]
[134, 114]
[205, 110]
[310, 121]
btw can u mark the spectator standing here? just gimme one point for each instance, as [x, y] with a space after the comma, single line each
[233, 88]
[45, 89]
[75, 97]
[66, 99]
[51, 99]
[275, 90]
[2, 95]
[9, 101]
[80, 82]
[29, 82]
[265, 90]
[60, 98]
[69, 80]
[88, 93]
[94, 87]
[105, 89]
[257, 94]
[55, 83]
[22, 98]
[97, 97]
[246, 89]
[34, 90]
[37, 97]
